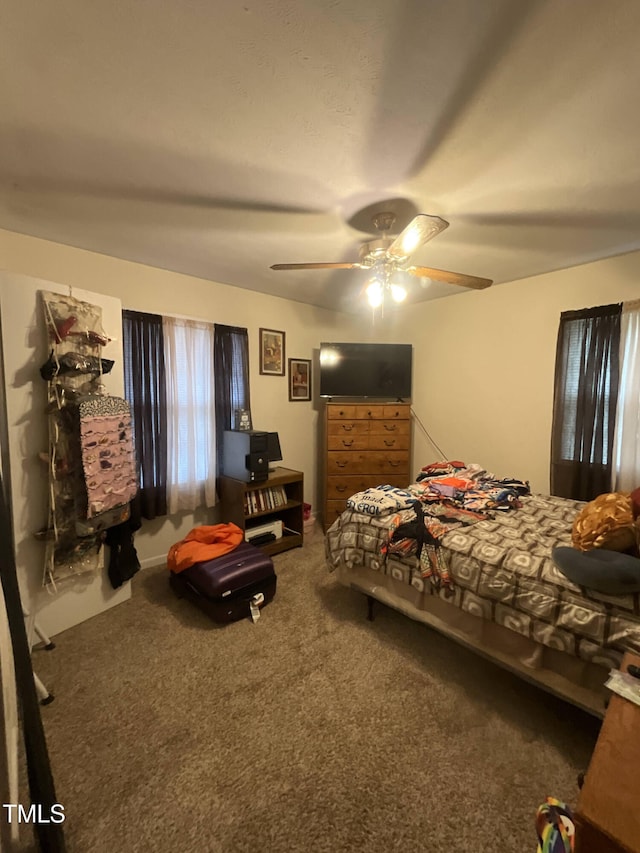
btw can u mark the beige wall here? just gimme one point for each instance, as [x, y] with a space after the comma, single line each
[484, 365]
[483, 361]
[145, 288]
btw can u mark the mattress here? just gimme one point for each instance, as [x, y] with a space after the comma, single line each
[503, 574]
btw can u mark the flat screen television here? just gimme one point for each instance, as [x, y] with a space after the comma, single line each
[366, 370]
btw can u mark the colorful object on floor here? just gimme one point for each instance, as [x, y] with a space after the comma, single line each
[555, 827]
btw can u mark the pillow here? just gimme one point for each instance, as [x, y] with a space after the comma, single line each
[605, 571]
[606, 522]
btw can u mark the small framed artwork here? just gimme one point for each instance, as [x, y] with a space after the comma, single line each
[271, 352]
[299, 378]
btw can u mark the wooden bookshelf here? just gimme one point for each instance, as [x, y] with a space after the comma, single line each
[280, 496]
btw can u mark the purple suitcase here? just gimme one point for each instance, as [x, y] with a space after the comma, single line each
[225, 587]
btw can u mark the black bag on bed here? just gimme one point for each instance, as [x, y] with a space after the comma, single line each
[414, 529]
[231, 586]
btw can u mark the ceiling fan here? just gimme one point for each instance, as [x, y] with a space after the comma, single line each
[387, 255]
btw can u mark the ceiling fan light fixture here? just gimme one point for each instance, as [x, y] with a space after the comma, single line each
[420, 230]
[411, 240]
[398, 293]
[388, 258]
[375, 293]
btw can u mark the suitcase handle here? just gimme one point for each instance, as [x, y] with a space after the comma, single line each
[254, 606]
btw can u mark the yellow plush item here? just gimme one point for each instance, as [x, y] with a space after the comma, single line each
[606, 522]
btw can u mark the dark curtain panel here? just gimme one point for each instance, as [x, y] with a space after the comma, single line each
[144, 384]
[231, 368]
[584, 402]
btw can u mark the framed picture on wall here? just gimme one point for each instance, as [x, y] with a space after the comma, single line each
[271, 352]
[299, 379]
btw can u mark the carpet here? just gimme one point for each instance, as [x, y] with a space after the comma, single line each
[312, 730]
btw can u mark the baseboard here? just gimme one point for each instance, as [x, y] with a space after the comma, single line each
[152, 562]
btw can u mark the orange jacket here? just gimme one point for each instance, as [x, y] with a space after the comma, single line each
[203, 543]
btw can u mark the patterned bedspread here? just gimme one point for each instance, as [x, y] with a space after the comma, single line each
[502, 571]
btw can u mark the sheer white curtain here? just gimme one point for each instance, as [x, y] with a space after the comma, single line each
[626, 448]
[191, 433]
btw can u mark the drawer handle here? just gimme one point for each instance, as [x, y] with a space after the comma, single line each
[341, 488]
[390, 427]
[347, 443]
[389, 443]
[342, 464]
[368, 414]
[347, 427]
[393, 463]
[341, 413]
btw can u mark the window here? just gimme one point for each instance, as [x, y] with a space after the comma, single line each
[144, 388]
[191, 432]
[183, 379]
[584, 406]
[626, 453]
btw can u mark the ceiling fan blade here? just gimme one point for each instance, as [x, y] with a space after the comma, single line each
[420, 230]
[451, 277]
[315, 266]
[140, 207]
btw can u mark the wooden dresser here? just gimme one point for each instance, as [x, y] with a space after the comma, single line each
[608, 812]
[365, 444]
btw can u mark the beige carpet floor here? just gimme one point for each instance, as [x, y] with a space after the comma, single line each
[312, 730]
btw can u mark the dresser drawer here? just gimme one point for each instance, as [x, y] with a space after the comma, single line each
[345, 462]
[369, 411]
[388, 442]
[367, 462]
[368, 442]
[349, 427]
[389, 427]
[397, 411]
[339, 412]
[348, 442]
[341, 487]
[390, 462]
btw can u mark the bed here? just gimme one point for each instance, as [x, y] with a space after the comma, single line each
[503, 595]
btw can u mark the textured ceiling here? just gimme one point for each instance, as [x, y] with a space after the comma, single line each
[219, 138]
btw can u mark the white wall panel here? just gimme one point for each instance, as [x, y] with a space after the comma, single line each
[25, 349]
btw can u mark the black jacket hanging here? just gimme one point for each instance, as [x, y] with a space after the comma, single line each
[123, 559]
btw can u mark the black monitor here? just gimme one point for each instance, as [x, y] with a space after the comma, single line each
[273, 448]
[366, 370]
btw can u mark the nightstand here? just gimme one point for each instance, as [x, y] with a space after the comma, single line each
[608, 813]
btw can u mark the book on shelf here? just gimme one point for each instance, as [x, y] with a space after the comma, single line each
[263, 500]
